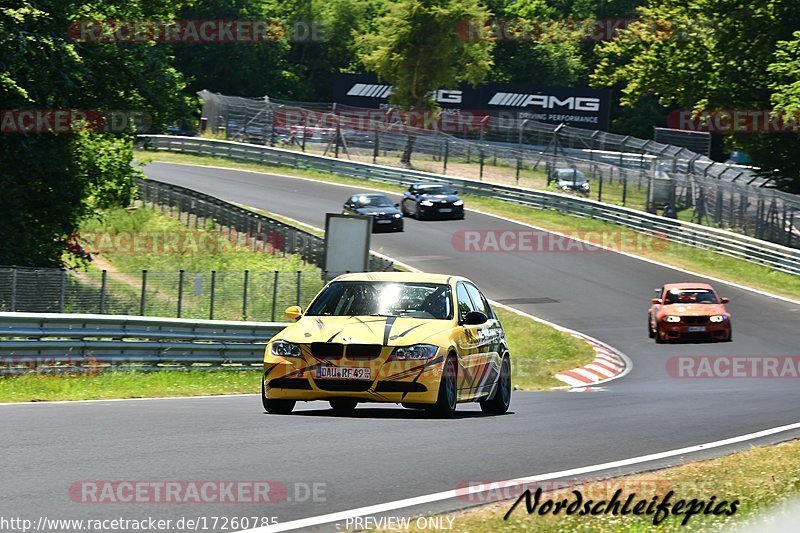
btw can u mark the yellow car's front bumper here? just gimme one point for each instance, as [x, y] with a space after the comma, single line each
[392, 381]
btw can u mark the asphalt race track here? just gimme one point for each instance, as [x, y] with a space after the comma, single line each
[386, 453]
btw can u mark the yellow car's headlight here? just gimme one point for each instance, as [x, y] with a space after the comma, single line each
[416, 351]
[284, 349]
[671, 318]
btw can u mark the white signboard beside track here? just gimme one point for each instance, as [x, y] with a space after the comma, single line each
[347, 239]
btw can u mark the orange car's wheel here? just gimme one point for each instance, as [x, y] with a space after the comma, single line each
[659, 338]
[650, 332]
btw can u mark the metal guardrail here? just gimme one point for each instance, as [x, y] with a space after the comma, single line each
[54, 342]
[757, 251]
[260, 228]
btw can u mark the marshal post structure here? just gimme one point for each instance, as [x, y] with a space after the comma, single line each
[580, 107]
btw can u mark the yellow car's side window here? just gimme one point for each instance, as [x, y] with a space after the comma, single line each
[464, 303]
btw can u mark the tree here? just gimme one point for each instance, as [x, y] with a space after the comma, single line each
[714, 55]
[416, 47]
[50, 181]
[245, 69]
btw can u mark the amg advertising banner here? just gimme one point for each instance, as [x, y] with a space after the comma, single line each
[579, 107]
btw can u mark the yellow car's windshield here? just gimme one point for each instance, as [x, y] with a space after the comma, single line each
[382, 298]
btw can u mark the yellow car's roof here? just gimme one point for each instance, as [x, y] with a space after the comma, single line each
[400, 277]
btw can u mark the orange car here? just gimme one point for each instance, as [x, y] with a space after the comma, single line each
[688, 311]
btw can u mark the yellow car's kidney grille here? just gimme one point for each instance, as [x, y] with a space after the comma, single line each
[355, 352]
[361, 352]
[327, 350]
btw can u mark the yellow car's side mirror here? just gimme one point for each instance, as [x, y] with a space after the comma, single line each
[293, 312]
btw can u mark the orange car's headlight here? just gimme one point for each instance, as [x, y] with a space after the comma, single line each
[672, 318]
[717, 318]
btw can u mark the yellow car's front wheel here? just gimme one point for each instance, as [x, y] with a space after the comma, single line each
[445, 405]
[275, 407]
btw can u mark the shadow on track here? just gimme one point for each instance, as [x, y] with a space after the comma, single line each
[381, 413]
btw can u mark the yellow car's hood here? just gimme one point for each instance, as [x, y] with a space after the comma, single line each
[388, 331]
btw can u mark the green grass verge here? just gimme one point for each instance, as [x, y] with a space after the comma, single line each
[214, 250]
[694, 259]
[760, 478]
[31, 388]
[538, 351]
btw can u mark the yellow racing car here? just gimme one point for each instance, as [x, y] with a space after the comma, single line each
[426, 341]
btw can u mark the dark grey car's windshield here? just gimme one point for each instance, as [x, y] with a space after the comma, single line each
[436, 189]
[384, 298]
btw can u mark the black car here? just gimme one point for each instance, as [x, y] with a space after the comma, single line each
[570, 179]
[432, 200]
[385, 215]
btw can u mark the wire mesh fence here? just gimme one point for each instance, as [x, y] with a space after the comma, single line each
[626, 171]
[245, 295]
[220, 295]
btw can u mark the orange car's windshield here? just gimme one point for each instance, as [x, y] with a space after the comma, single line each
[690, 296]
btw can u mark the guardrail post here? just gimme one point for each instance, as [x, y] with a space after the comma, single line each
[481, 157]
[62, 296]
[143, 299]
[213, 291]
[103, 276]
[13, 290]
[624, 189]
[600, 188]
[446, 155]
[181, 274]
[376, 147]
[299, 283]
[244, 293]
[274, 295]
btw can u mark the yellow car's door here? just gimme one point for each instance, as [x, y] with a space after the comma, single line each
[491, 347]
[474, 345]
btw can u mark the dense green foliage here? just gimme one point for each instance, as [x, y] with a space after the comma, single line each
[718, 55]
[726, 54]
[51, 181]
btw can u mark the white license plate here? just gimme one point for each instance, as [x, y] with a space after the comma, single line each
[445, 210]
[342, 372]
[693, 329]
[383, 221]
